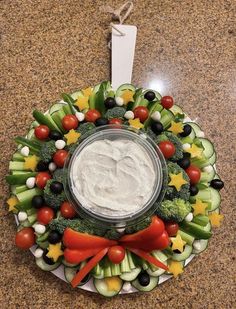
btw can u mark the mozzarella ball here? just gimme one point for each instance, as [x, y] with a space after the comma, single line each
[60, 144]
[30, 182]
[38, 253]
[25, 151]
[52, 167]
[208, 169]
[127, 286]
[22, 216]
[189, 217]
[197, 244]
[186, 146]
[119, 101]
[129, 115]
[39, 228]
[80, 116]
[156, 116]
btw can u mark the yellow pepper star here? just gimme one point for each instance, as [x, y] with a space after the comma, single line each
[199, 207]
[82, 103]
[176, 268]
[127, 96]
[87, 92]
[113, 283]
[12, 201]
[215, 219]
[72, 137]
[54, 251]
[177, 181]
[176, 127]
[135, 123]
[178, 243]
[31, 162]
[195, 151]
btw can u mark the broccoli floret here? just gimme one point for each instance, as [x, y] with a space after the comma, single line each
[85, 127]
[175, 140]
[171, 192]
[51, 199]
[47, 150]
[175, 210]
[112, 234]
[60, 174]
[137, 227]
[115, 112]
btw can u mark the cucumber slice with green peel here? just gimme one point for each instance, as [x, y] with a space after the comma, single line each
[45, 119]
[19, 179]
[124, 87]
[200, 162]
[208, 147]
[189, 239]
[130, 259]
[201, 220]
[207, 228]
[153, 107]
[18, 157]
[215, 199]
[70, 101]
[57, 118]
[132, 275]
[44, 266]
[102, 287]
[217, 176]
[201, 246]
[155, 271]
[195, 127]
[55, 107]
[77, 94]
[27, 196]
[204, 195]
[195, 230]
[152, 284]
[159, 255]
[166, 118]
[207, 177]
[65, 263]
[183, 255]
[115, 269]
[124, 265]
[70, 272]
[192, 136]
[212, 159]
[175, 109]
[186, 140]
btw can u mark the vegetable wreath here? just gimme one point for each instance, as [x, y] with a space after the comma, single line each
[143, 254]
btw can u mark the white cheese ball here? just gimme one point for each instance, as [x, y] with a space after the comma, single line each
[129, 115]
[120, 227]
[39, 228]
[186, 146]
[200, 134]
[208, 169]
[38, 253]
[30, 182]
[22, 216]
[119, 101]
[127, 286]
[25, 151]
[197, 244]
[60, 144]
[189, 217]
[156, 116]
[52, 167]
[80, 116]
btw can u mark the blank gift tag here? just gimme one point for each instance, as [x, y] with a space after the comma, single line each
[122, 55]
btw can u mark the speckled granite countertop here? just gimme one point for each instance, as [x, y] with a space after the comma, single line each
[187, 49]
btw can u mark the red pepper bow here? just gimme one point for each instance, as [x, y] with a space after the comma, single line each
[80, 246]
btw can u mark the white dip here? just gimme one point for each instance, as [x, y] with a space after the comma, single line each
[114, 178]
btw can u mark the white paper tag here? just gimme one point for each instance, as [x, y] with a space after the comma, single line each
[122, 55]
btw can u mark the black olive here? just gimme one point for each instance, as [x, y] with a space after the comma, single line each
[187, 130]
[37, 201]
[144, 279]
[56, 187]
[54, 237]
[217, 184]
[46, 259]
[184, 163]
[42, 166]
[157, 127]
[193, 190]
[101, 122]
[186, 155]
[55, 135]
[149, 95]
[110, 102]
[176, 251]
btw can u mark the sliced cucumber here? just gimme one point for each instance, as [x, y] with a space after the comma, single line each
[19, 179]
[189, 239]
[152, 284]
[157, 272]
[200, 162]
[175, 109]
[215, 199]
[44, 266]
[132, 275]
[102, 286]
[70, 272]
[201, 246]
[201, 220]
[207, 177]
[212, 159]
[207, 228]
[57, 118]
[153, 107]
[208, 147]
[183, 255]
[70, 101]
[124, 87]
[166, 117]
[64, 262]
[77, 94]
[55, 107]
[45, 119]
[18, 157]
[195, 127]
[27, 196]
[204, 195]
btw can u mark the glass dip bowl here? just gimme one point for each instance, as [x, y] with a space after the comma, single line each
[107, 216]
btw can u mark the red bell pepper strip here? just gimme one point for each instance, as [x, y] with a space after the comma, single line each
[150, 259]
[74, 256]
[81, 241]
[88, 267]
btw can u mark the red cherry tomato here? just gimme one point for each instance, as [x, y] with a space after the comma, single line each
[116, 122]
[41, 132]
[67, 210]
[25, 238]
[45, 215]
[167, 148]
[116, 254]
[171, 228]
[41, 179]
[60, 157]
[141, 112]
[167, 102]
[70, 122]
[194, 174]
[92, 115]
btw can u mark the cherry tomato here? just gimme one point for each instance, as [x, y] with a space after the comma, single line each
[70, 122]
[92, 115]
[163, 240]
[41, 132]
[67, 210]
[41, 179]
[25, 238]
[45, 215]
[116, 254]
[116, 122]
[167, 148]
[171, 228]
[167, 101]
[141, 112]
[60, 157]
[194, 174]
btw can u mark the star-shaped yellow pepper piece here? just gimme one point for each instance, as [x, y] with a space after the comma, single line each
[72, 137]
[82, 103]
[113, 283]
[215, 219]
[177, 181]
[195, 151]
[176, 268]
[135, 123]
[11, 202]
[87, 92]
[31, 162]
[199, 207]
[178, 243]
[176, 127]
[127, 96]
[54, 251]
